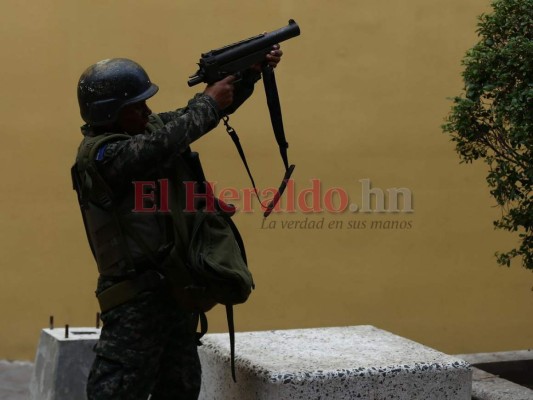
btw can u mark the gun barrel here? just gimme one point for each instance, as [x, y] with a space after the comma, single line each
[257, 43]
[194, 80]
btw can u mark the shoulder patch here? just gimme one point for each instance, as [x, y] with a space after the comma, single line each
[100, 153]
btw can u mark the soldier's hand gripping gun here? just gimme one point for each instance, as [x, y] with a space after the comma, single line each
[237, 57]
[233, 60]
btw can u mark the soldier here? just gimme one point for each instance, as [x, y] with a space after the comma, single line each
[148, 341]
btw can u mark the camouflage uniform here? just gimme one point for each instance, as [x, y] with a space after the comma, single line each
[148, 345]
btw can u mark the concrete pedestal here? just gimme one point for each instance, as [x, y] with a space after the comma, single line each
[358, 362]
[62, 364]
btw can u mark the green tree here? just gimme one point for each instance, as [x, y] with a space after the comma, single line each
[493, 118]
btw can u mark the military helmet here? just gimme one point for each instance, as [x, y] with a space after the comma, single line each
[109, 85]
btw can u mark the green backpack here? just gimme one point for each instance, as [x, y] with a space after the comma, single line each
[215, 258]
[216, 267]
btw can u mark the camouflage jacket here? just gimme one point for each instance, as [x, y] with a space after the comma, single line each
[152, 156]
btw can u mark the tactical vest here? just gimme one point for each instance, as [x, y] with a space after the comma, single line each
[123, 242]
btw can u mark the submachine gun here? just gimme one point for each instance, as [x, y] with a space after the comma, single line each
[237, 57]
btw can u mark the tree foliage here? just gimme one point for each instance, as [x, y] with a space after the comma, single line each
[493, 118]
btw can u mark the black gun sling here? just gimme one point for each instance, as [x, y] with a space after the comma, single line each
[274, 108]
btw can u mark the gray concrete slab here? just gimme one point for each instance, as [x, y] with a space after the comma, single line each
[486, 386]
[341, 363]
[481, 358]
[15, 380]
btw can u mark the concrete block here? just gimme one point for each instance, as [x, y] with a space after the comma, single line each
[62, 364]
[356, 362]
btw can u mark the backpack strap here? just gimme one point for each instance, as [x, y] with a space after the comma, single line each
[201, 318]
[231, 329]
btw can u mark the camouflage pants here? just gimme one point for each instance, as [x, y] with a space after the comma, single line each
[147, 346]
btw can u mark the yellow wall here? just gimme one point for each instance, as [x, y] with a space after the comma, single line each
[364, 92]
